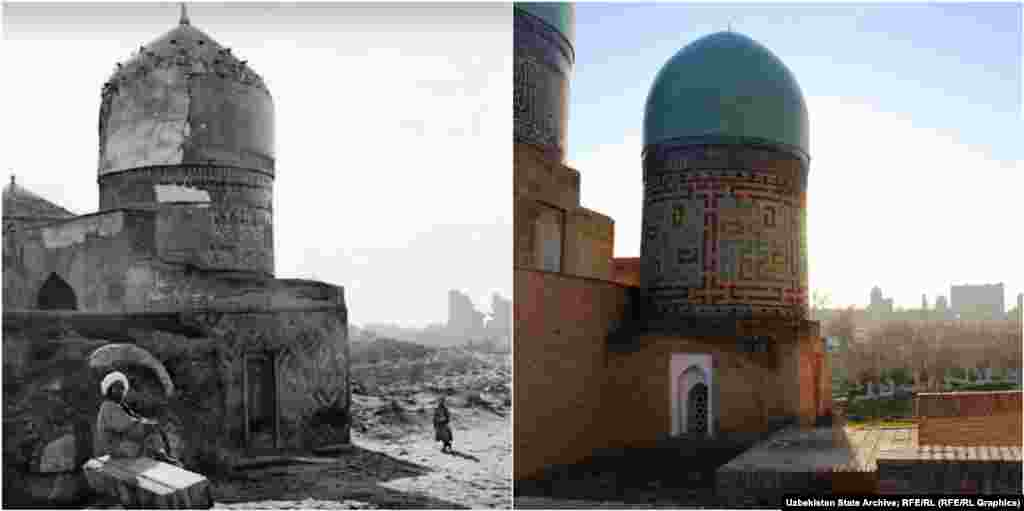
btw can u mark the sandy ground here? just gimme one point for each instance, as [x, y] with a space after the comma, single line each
[409, 472]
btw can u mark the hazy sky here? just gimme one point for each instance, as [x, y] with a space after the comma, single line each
[393, 133]
[916, 134]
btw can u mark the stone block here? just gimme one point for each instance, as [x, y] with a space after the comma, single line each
[148, 483]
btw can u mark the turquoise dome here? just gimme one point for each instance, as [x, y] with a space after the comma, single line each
[558, 15]
[726, 88]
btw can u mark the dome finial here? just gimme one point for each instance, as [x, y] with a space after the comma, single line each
[184, 15]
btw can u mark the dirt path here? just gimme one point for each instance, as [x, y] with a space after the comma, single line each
[410, 472]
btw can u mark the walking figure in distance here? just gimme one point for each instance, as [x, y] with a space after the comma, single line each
[442, 431]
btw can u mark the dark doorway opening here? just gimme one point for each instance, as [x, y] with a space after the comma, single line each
[697, 413]
[261, 402]
[56, 294]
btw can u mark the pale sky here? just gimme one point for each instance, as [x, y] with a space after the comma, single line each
[916, 132]
[393, 133]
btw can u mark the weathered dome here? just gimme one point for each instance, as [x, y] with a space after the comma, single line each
[185, 99]
[558, 15]
[726, 88]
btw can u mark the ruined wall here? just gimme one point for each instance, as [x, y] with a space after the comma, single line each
[310, 349]
[561, 328]
[216, 218]
[91, 253]
[970, 418]
[51, 398]
[50, 393]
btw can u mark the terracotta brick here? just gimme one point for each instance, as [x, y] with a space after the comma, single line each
[971, 419]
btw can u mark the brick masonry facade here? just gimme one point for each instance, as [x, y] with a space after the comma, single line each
[970, 418]
[575, 394]
[561, 327]
[950, 470]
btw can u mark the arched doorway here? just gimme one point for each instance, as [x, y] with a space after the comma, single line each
[56, 294]
[693, 402]
[697, 410]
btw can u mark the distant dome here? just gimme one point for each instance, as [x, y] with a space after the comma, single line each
[185, 99]
[726, 88]
[21, 203]
[558, 15]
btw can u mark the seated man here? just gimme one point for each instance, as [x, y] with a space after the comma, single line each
[122, 433]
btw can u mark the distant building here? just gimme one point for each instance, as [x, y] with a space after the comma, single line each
[500, 325]
[975, 302]
[880, 307]
[942, 310]
[463, 318]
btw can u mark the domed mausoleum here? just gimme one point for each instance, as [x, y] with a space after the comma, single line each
[173, 278]
[185, 122]
[725, 163]
[705, 336]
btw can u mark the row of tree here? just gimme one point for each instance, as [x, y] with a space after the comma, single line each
[928, 350]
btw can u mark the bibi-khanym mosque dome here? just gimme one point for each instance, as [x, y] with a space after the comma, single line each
[725, 161]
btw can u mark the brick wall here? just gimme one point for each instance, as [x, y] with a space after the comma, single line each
[638, 406]
[561, 328]
[626, 271]
[970, 418]
[589, 241]
[540, 178]
[956, 470]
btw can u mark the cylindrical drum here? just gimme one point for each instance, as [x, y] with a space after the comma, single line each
[544, 58]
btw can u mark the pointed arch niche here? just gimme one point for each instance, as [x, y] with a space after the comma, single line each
[692, 397]
[56, 294]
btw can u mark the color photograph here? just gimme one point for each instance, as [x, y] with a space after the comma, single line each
[761, 250]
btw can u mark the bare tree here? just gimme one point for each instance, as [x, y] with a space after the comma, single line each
[820, 299]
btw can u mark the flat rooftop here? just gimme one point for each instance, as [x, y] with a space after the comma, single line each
[813, 450]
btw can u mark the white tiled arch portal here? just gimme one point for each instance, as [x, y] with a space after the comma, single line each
[686, 370]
